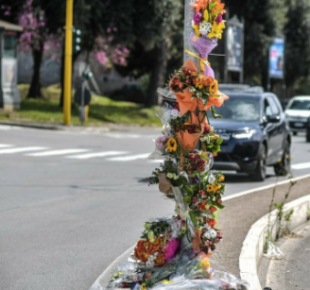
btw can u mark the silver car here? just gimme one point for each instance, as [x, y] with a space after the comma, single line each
[297, 113]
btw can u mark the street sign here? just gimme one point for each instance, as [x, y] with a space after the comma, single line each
[234, 48]
[276, 58]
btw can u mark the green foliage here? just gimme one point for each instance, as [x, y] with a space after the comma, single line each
[282, 220]
[103, 111]
[154, 229]
[297, 31]
[260, 28]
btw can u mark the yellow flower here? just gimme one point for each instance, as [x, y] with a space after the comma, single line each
[221, 178]
[205, 264]
[209, 188]
[217, 30]
[196, 28]
[214, 87]
[172, 145]
[206, 15]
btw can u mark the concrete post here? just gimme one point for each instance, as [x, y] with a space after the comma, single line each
[188, 16]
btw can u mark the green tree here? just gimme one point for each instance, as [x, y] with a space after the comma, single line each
[297, 31]
[148, 27]
[260, 28]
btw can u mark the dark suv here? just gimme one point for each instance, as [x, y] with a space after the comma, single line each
[255, 134]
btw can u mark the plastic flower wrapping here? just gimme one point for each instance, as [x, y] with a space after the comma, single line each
[176, 252]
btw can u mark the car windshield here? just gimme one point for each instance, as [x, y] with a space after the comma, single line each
[301, 105]
[240, 109]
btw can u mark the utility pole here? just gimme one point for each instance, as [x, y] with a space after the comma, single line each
[1, 55]
[68, 63]
[188, 16]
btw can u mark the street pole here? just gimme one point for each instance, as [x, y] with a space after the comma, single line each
[1, 56]
[188, 16]
[68, 63]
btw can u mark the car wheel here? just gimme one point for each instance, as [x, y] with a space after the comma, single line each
[308, 136]
[284, 166]
[259, 173]
[295, 133]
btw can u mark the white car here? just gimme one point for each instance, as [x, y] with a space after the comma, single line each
[297, 113]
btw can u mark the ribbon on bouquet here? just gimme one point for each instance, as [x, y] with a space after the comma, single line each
[202, 61]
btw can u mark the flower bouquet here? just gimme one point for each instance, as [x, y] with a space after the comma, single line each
[175, 252]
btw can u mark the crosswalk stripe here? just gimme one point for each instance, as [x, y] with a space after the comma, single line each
[130, 158]
[5, 145]
[58, 152]
[121, 136]
[20, 150]
[301, 166]
[157, 161]
[97, 154]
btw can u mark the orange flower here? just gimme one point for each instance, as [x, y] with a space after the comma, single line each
[160, 259]
[211, 222]
[217, 100]
[145, 248]
[219, 8]
[207, 81]
[200, 5]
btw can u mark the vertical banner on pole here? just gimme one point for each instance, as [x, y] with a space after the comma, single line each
[276, 58]
[234, 47]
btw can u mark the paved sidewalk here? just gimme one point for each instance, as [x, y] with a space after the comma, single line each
[239, 215]
[293, 271]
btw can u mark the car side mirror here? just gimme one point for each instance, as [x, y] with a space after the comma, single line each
[273, 119]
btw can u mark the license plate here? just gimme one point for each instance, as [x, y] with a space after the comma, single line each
[225, 137]
[299, 124]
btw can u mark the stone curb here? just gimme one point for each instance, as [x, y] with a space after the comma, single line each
[252, 249]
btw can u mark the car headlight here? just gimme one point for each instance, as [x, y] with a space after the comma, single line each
[244, 135]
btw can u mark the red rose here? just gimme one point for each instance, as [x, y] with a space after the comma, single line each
[201, 206]
[212, 209]
[194, 199]
[202, 193]
[206, 129]
[176, 106]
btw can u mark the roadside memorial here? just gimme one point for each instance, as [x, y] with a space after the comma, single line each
[176, 252]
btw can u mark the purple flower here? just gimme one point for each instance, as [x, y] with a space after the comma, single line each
[219, 18]
[197, 18]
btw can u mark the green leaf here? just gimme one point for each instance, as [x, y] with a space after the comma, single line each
[216, 116]
[193, 218]
[188, 189]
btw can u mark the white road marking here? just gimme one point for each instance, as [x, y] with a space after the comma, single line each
[58, 152]
[130, 158]
[97, 154]
[8, 127]
[5, 145]
[300, 166]
[122, 136]
[21, 149]
[156, 161]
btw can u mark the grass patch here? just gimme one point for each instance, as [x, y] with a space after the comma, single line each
[102, 111]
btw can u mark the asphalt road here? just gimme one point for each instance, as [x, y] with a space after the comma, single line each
[71, 202]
